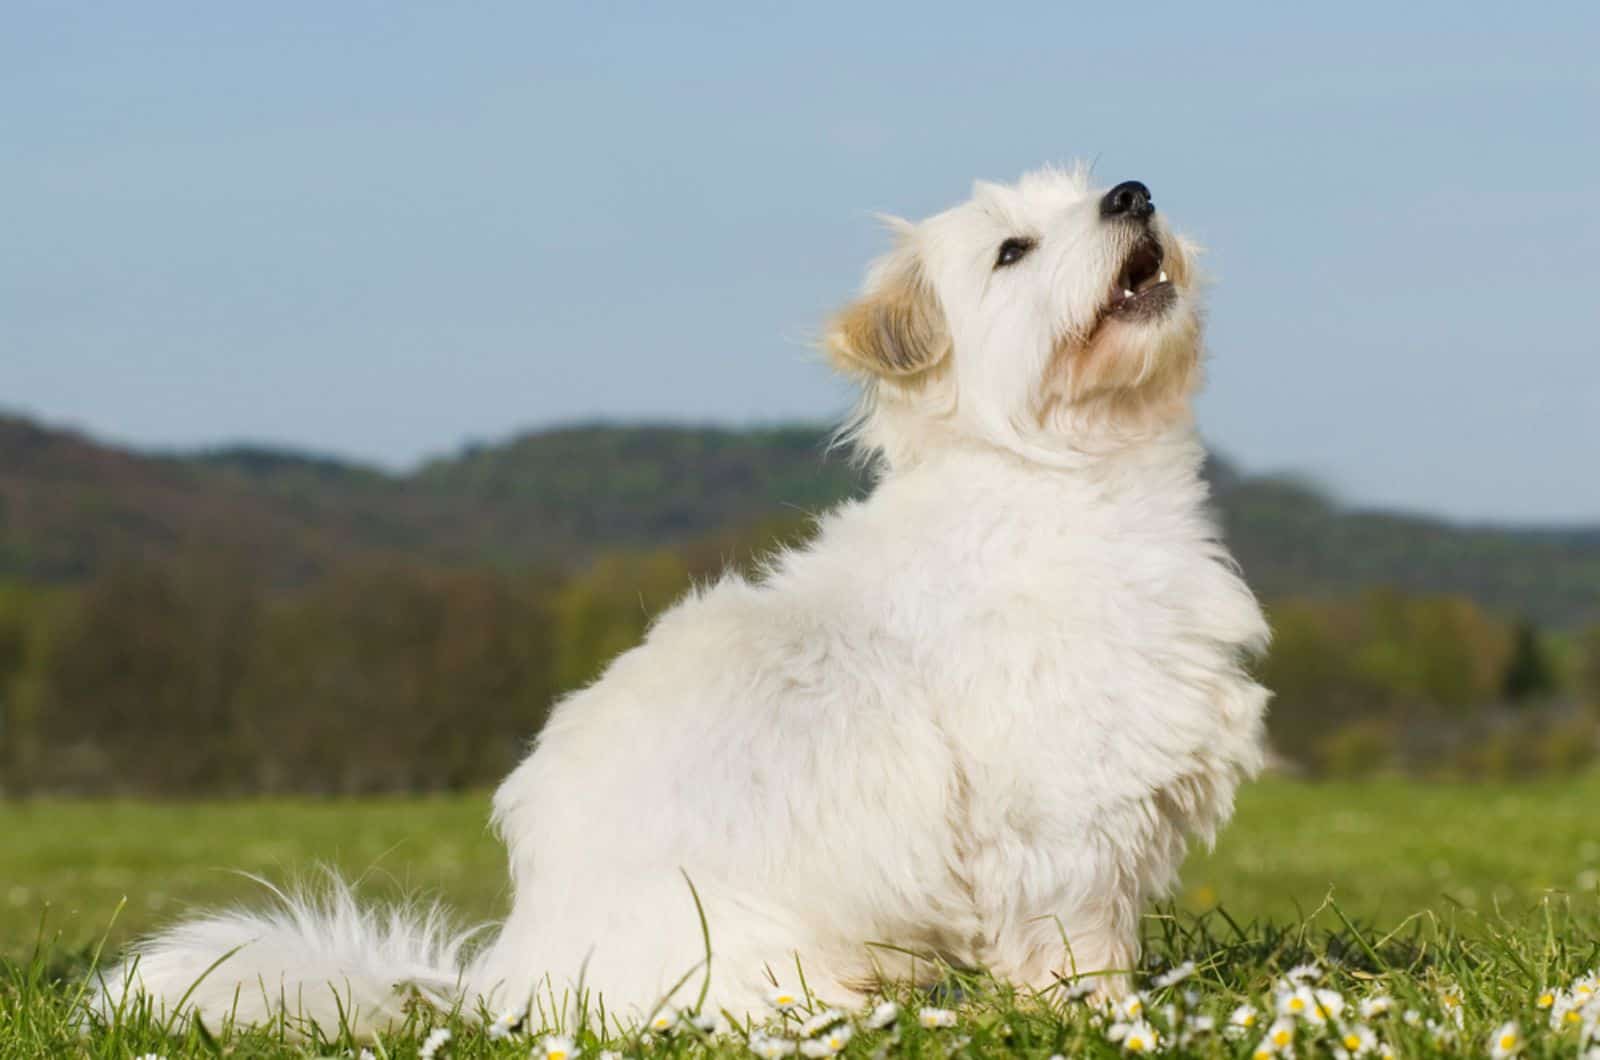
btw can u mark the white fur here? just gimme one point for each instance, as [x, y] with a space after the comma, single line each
[976, 719]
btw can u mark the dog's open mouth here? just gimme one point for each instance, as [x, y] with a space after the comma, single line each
[1142, 290]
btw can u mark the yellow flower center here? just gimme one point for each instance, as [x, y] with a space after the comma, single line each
[1282, 1037]
[1352, 1042]
[1135, 1044]
[556, 1054]
[1572, 1016]
[1546, 1000]
[1248, 1020]
[1507, 1041]
[1260, 1054]
[1296, 1005]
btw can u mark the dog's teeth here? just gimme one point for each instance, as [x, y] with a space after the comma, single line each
[1163, 277]
[1126, 293]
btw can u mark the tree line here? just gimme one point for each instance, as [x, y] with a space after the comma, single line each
[191, 677]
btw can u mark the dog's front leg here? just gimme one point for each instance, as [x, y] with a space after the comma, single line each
[1065, 920]
[1095, 949]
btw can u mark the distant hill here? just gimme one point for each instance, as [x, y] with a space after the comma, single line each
[559, 494]
[1292, 538]
[70, 506]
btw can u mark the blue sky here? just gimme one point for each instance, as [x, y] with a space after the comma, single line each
[384, 229]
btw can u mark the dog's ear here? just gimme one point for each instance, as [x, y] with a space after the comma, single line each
[896, 329]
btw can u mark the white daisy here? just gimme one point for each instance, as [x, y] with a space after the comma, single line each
[1137, 1037]
[1243, 1019]
[784, 1000]
[664, 1020]
[934, 1018]
[435, 1041]
[1442, 1033]
[1264, 1050]
[1375, 1006]
[1589, 1016]
[1327, 1005]
[557, 1047]
[1506, 1041]
[1564, 1012]
[1130, 1007]
[821, 1022]
[704, 1022]
[1079, 988]
[831, 1042]
[502, 1025]
[769, 1048]
[883, 1016]
[1281, 1034]
[1297, 1003]
[1173, 976]
[1450, 1001]
[1358, 1039]
[1304, 973]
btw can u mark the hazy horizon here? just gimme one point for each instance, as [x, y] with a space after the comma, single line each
[383, 231]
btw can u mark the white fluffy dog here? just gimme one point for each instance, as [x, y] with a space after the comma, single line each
[975, 721]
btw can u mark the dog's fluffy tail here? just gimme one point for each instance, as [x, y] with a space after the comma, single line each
[313, 955]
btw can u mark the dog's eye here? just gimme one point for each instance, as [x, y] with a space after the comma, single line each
[1012, 251]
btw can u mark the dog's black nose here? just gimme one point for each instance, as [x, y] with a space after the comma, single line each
[1128, 199]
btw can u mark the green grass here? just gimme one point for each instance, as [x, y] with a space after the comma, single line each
[1485, 890]
[69, 864]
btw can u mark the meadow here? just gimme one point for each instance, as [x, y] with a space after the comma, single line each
[1422, 893]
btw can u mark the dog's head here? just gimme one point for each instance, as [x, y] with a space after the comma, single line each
[1047, 317]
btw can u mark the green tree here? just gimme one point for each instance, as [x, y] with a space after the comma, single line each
[1530, 674]
[398, 678]
[31, 619]
[1589, 666]
[14, 725]
[605, 610]
[140, 684]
